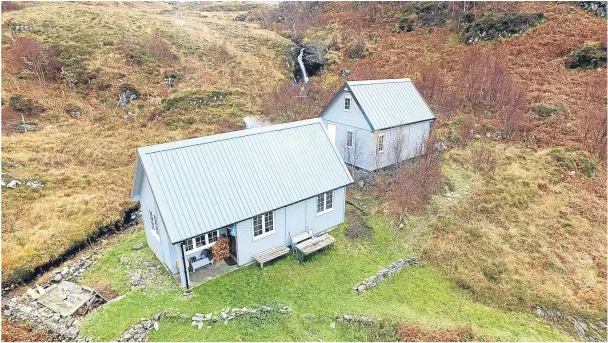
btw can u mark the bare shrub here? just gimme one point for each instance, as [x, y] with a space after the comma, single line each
[157, 47]
[483, 159]
[12, 5]
[435, 89]
[291, 102]
[486, 84]
[593, 120]
[416, 182]
[29, 53]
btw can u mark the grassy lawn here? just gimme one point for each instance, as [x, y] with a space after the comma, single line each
[321, 286]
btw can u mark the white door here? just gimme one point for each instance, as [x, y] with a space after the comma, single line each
[331, 131]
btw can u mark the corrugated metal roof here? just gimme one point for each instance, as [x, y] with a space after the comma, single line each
[391, 102]
[205, 183]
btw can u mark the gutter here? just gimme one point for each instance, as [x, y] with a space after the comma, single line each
[185, 266]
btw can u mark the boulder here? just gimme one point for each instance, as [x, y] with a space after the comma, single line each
[138, 245]
[14, 184]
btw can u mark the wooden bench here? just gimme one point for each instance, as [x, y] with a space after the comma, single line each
[300, 237]
[270, 255]
[312, 245]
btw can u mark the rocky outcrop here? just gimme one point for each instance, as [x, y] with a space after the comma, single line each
[596, 7]
[383, 274]
[584, 328]
[32, 184]
[313, 58]
[494, 26]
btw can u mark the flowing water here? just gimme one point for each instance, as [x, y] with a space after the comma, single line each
[304, 75]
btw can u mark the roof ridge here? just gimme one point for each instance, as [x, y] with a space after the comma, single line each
[370, 82]
[225, 136]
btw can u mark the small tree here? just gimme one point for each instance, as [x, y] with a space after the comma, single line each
[28, 53]
[416, 182]
[353, 150]
[398, 145]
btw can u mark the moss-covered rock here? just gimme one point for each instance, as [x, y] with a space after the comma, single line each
[422, 14]
[22, 104]
[590, 56]
[494, 26]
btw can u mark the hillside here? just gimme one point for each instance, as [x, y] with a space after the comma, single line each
[524, 125]
[86, 161]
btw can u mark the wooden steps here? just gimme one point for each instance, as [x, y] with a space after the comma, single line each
[270, 254]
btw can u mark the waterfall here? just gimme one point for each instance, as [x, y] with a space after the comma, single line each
[304, 75]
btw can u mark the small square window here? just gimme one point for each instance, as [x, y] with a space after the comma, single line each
[199, 241]
[189, 245]
[212, 237]
[347, 104]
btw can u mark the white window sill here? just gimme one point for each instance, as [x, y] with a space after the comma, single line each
[323, 212]
[255, 238]
[380, 152]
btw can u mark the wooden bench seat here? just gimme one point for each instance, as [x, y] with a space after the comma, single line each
[300, 237]
[312, 245]
[270, 254]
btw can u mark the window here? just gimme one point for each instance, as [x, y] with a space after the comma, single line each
[381, 143]
[153, 222]
[201, 242]
[325, 202]
[263, 224]
[189, 245]
[349, 139]
[258, 227]
[347, 104]
[212, 237]
[320, 203]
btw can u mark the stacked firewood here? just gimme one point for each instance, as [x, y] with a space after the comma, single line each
[220, 249]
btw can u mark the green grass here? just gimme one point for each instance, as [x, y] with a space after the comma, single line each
[321, 286]
[107, 269]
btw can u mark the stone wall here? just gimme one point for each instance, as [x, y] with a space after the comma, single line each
[396, 266]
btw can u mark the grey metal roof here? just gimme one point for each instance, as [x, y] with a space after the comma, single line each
[391, 102]
[206, 183]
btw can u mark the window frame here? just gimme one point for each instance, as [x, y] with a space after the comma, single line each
[380, 140]
[207, 245]
[325, 196]
[352, 139]
[347, 99]
[154, 230]
[264, 222]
